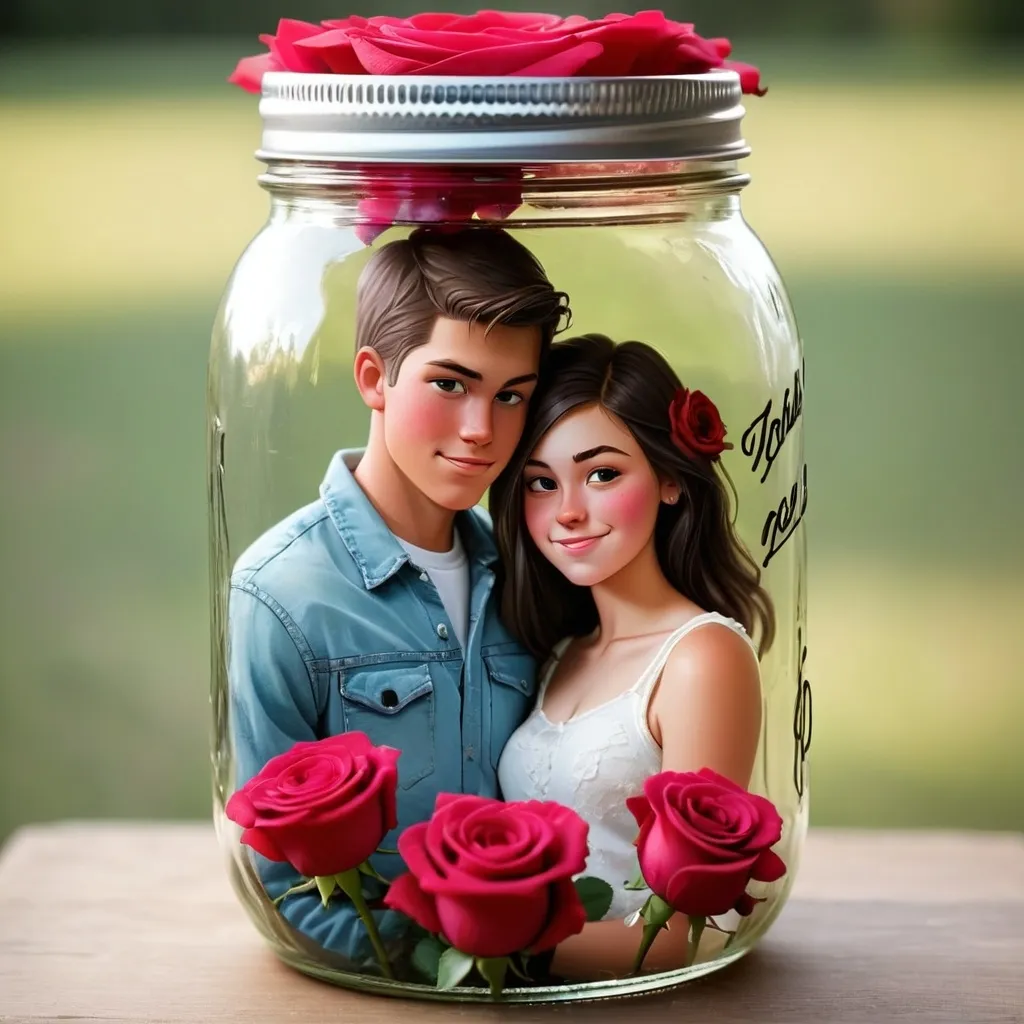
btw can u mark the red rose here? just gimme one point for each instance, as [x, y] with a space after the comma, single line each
[702, 839]
[695, 424]
[323, 806]
[493, 878]
[492, 43]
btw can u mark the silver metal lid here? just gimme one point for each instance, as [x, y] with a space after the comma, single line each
[434, 120]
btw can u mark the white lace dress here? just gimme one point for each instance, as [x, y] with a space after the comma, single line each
[593, 761]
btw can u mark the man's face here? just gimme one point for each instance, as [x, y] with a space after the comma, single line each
[455, 414]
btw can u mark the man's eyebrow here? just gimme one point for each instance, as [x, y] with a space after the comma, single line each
[599, 450]
[464, 371]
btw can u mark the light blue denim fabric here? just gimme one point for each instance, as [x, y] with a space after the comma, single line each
[332, 629]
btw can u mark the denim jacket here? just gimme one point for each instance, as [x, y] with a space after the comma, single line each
[333, 629]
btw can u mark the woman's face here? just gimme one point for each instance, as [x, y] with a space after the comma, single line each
[590, 496]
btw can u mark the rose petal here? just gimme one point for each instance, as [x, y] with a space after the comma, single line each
[640, 808]
[750, 77]
[564, 64]
[282, 45]
[249, 71]
[334, 49]
[566, 917]
[405, 895]
[706, 889]
[769, 867]
[745, 904]
[497, 60]
[240, 810]
[263, 844]
[491, 925]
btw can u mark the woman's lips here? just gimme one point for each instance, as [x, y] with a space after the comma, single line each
[576, 545]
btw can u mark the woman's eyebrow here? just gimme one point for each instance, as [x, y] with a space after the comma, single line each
[599, 450]
[537, 463]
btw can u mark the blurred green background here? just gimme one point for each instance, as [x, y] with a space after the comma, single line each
[885, 158]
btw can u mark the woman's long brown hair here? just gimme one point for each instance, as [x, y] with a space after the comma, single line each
[695, 540]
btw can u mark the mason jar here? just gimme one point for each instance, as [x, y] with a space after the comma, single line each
[626, 193]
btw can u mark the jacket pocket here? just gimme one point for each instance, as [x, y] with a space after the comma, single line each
[394, 706]
[513, 683]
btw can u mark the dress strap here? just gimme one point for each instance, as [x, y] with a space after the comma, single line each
[650, 675]
[548, 669]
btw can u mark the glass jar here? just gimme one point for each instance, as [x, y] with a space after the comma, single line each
[628, 193]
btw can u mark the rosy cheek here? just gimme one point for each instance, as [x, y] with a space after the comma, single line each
[425, 413]
[537, 517]
[630, 503]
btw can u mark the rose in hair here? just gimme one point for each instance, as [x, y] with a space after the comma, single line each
[697, 427]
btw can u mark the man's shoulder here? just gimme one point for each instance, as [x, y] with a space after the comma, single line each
[298, 544]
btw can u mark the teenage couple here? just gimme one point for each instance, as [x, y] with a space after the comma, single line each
[601, 630]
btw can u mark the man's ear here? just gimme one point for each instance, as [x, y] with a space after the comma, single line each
[370, 376]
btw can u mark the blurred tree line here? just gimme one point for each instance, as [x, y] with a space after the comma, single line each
[994, 20]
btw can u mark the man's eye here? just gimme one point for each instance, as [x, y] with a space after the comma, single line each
[541, 483]
[449, 385]
[508, 397]
[604, 475]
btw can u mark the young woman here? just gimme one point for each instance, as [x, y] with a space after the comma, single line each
[623, 570]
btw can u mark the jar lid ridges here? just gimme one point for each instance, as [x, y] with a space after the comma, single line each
[500, 120]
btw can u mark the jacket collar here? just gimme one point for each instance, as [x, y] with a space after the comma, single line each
[372, 545]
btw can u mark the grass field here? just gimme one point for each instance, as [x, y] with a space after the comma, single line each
[121, 216]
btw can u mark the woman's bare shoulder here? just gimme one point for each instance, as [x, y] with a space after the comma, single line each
[713, 658]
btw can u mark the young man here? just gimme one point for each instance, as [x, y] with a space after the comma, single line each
[372, 609]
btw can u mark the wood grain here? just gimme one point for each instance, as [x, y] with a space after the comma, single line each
[138, 923]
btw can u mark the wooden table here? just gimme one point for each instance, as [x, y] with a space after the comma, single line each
[118, 922]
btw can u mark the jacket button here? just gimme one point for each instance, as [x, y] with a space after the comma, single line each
[442, 631]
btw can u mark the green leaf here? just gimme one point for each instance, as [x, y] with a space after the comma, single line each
[493, 969]
[697, 922]
[368, 869]
[638, 882]
[596, 896]
[326, 884]
[452, 968]
[306, 886]
[426, 957]
[380, 849]
[516, 969]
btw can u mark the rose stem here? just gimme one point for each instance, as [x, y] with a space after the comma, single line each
[352, 886]
[646, 941]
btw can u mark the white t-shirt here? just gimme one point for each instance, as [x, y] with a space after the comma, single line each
[449, 571]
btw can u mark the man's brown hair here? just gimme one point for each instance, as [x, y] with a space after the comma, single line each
[471, 274]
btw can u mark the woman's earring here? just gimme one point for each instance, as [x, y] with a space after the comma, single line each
[672, 499]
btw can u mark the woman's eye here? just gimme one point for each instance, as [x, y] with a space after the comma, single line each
[508, 397]
[541, 483]
[604, 475]
[449, 385]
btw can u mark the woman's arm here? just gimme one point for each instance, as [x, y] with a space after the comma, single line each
[605, 949]
[705, 713]
[706, 710]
